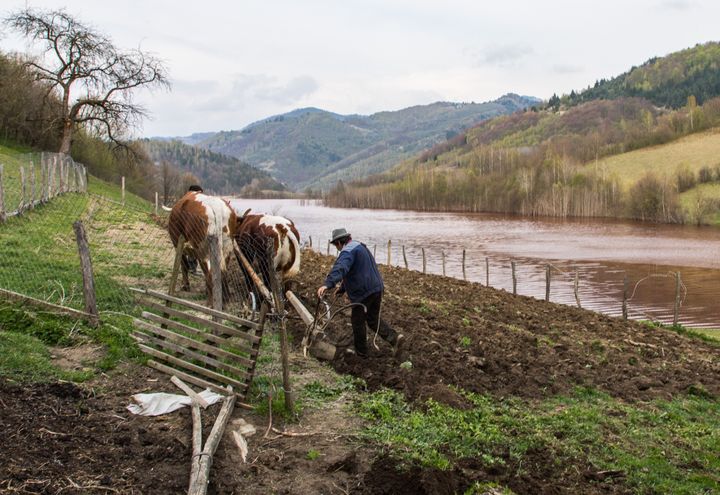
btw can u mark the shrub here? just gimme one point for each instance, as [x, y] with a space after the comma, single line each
[705, 175]
[652, 200]
[685, 179]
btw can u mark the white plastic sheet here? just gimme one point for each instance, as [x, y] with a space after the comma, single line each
[159, 403]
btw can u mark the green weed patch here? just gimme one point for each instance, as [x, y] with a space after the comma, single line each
[24, 358]
[661, 447]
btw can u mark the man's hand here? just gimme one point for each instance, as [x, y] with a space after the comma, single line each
[321, 291]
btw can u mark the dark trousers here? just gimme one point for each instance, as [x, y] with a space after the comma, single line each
[360, 318]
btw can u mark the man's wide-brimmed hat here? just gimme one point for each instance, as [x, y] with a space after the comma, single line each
[338, 234]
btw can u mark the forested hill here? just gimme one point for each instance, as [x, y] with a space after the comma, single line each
[312, 147]
[551, 163]
[219, 174]
[665, 81]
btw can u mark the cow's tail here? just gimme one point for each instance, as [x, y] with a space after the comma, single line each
[294, 269]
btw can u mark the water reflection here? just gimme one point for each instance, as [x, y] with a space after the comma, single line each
[603, 252]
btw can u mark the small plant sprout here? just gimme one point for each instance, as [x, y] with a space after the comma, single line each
[465, 341]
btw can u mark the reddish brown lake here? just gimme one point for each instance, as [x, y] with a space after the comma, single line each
[603, 252]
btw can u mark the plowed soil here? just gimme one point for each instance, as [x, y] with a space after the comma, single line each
[489, 341]
[64, 438]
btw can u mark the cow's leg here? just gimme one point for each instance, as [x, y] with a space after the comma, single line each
[184, 268]
[205, 266]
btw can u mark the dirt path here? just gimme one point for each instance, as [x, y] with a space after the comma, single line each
[70, 439]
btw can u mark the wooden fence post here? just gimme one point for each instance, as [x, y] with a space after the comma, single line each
[23, 187]
[514, 278]
[51, 181]
[487, 272]
[463, 266]
[214, 244]
[32, 185]
[547, 282]
[67, 174]
[176, 265]
[577, 287]
[404, 257]
[61, 175]
[157, 200]
[424, 261]
[202, 459]
[676, 314]
[442, 254]
[625, 298]
[310, 241]
[43, 179]
[87, 273]
[375, 251]
[2, 195]
[328, 249]
[122, 186]
[280, 310]
[389, 261]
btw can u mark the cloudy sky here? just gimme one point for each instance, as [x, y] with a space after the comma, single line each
[233, 62]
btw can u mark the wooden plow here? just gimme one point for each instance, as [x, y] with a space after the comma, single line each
[311, 340]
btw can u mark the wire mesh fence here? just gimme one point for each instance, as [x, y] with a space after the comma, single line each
[33, 179]
[129, 247]
[667, 294]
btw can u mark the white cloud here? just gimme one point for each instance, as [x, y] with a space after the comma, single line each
[504, 55]
[290, 92]
[236, 62]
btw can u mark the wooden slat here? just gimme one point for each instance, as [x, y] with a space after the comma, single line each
[256, 347]
[181, 339]
[209, 337]
[14, 296]
[144, 338]
[196, 398]
[199, 307]
[192, 367]
[168, 370]
[223, 329]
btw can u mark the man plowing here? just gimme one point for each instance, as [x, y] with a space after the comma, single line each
[360, 279]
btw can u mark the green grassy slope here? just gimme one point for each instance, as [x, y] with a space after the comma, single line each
[694, 151]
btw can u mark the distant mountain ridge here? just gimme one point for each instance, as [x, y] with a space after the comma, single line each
[310, 147]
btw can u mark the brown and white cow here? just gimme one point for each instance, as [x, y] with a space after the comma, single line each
[255, 231]
[196, 216]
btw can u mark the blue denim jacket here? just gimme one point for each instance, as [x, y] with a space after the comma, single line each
[358, 271]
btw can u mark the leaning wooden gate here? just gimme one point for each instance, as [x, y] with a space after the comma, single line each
[200, 345]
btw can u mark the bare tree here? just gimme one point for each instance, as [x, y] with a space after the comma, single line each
[170, 181]
[93, 79]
